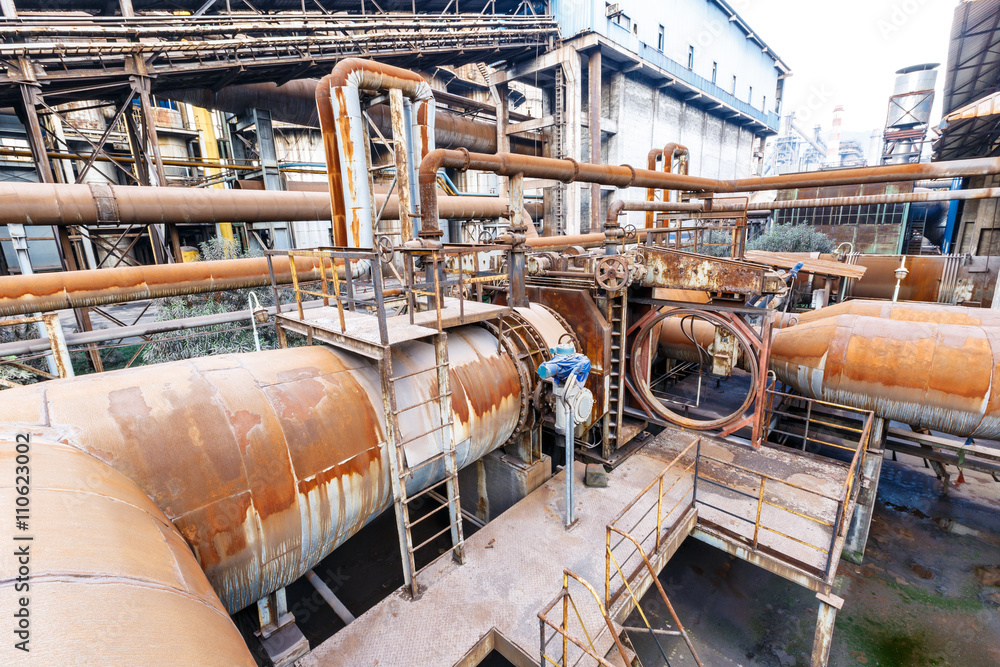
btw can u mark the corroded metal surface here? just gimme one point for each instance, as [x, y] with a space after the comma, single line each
[929, 375]
[904, 312]
[74, 289]
[677, 269]
[124, 589]
[267, 461]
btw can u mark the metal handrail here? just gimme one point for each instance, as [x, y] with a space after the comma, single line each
[567, 600]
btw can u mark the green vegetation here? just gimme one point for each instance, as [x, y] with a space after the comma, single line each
[792, 238]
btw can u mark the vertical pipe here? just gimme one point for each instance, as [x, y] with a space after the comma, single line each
[401, 150]
[595, 136]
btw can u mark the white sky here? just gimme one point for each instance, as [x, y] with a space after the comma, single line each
[845, 52]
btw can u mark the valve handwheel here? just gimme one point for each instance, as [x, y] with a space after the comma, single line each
[612, 274]
[630, 232]
[385, 249]
[485, 237]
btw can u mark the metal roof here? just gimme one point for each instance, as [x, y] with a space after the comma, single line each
[974, 54]
[355, 6]
[971, 123]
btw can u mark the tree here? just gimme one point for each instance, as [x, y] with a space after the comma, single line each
[792, 238]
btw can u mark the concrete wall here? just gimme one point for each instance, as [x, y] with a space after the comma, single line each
[648, 117]
[980, 222]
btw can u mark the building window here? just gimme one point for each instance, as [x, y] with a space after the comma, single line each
[715, 70]
[661, 37]
[734, 85]
[635, 28]
[763, 105]
[690, 56]
[750, 96]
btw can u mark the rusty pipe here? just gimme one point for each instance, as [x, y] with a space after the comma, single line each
[899, 311]
[654, 156]
[265, 462]
[295, 102]
[345, 138]
[127, 589]
[929, 375]
[938, 375]
[67, 204]
[674, 151]
[569, 170]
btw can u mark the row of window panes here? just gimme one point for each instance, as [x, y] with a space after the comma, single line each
[868, 214]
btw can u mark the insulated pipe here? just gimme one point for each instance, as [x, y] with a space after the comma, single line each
[267, 461]
[654, 155]
[112, 581]
[935, 375]
[68, 204]
[295, 102]
[899, 311]
[345, 138]
[625, 176]
[943, 377]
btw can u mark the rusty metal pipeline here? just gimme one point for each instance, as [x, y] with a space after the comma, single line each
[124, 590]
[345, 138]
[266, 462]
[901, 311]
[295, 102]
[654, 156]
[938, 375]
[625, 176]
[69, 204]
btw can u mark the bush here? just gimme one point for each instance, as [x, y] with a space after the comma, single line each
[792, 238]
[216, 339]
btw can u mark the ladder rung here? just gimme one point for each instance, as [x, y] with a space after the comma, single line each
[425, 433]
[417, 405]
[435, 536]
[423, 464]
[429, 514]
[424, 370]
[427, 490]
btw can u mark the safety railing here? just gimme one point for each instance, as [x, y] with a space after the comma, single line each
[52, 328]
[652, 514]
[721, 234]
[569, 628]
[764, 511]
[355, 280]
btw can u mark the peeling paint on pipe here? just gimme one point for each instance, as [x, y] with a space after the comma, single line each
[266, 462]
[115, 583]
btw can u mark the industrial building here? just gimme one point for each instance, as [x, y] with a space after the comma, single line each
[394, 333]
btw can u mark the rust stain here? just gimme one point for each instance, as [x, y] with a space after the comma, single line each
[243, 422]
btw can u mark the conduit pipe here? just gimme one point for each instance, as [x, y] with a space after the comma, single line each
[345, 138]
[68, 204]
[115, 583]
[267, 461]
[625, 176]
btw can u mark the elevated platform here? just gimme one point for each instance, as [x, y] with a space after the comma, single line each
[361, 330]
[515, 563]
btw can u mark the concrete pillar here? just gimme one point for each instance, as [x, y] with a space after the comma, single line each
[572, 75]
[864, 509]
[594, 106]
[498, 481]
[829, 605]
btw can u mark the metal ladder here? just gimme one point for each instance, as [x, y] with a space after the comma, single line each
[558, 141]
[616, 388]
[401, 472]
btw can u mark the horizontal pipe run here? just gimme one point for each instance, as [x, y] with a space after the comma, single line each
[722, 206]
[47, 204]
[626, 176]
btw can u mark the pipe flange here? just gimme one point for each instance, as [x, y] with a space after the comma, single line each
[466, 158]
[576, 170]
[523, 376]
[631, 179]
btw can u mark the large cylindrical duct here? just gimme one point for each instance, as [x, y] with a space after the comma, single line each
[110, 581]
[930, 375]
[900, 311]
[267, 461]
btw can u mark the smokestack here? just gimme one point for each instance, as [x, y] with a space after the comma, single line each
[833, 147]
